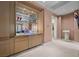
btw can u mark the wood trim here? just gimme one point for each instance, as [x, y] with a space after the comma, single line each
[27, 5]
[4, 38]
[30, 4]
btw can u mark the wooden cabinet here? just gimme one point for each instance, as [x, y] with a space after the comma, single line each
[6, 26]
[35, 40]
[7, 19]
[4, 19]
[21, 43]
[4, 48]
[12, 47]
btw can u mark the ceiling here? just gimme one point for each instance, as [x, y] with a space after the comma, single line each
[60, 7]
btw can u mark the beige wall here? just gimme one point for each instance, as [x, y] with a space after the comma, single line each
[47, 26]
[59, 28]
[68, 22]
[65, 22]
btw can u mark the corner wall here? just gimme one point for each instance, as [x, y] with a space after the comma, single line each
[67, 22]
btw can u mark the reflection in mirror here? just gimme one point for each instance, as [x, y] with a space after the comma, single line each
[26, 21]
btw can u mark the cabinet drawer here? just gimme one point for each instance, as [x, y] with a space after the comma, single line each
[35, 40]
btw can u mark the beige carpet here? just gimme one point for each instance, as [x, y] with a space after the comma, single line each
[56, 48]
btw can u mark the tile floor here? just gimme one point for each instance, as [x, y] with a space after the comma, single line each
[56, 48]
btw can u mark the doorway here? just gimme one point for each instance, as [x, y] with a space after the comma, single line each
[54, 27]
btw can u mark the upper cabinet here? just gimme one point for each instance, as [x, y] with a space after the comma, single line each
[7, 18]
[4, 19]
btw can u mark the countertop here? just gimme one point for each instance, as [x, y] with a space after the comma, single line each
[27, 34]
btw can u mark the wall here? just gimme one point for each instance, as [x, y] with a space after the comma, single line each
[66, 22]
[47, 26]
[59, 27]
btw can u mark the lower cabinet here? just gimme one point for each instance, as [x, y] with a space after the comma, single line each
[12, 45]
[4, 48]
[25, 42]
[21, 43]
[35, 40]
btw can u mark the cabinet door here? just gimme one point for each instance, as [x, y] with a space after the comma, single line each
[4, 48]
[35, 40]
[4, 19]
[21, 43]
[12, 45]
[4, 28]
